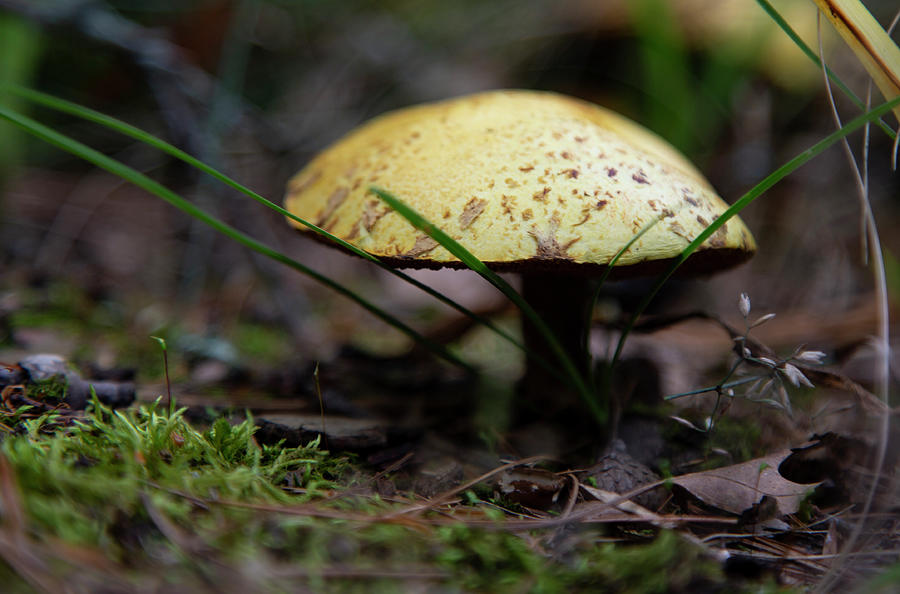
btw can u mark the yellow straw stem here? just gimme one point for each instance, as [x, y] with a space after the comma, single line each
[867, 38]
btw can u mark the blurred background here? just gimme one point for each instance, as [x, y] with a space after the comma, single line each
[91, 267]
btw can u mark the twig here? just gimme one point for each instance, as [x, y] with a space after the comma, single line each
[447, 495]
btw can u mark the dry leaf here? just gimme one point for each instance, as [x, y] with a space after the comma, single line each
[738, 487]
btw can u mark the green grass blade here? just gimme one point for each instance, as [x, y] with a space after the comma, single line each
[754, 193]
[126, 129]
[469, 259]
[127, 173]
[789, 31]
[609, 268]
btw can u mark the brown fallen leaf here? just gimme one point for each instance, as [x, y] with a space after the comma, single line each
[738, 487]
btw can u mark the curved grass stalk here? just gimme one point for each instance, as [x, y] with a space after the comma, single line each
[136, 133]
[139, 179]
[466, 257]
[872, 244]
[754, 193]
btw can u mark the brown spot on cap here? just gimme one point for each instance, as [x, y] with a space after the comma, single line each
[374, 211]
[676, 228]
[640, 177]
[527, 214]
[611, 172]
[572, 173]
[511, 182]
[474, 207]
[335, 200]
[718, 239]
[507, 203]
[423, 245]
[585, 215]
[702, 221]
[526, 168]
[541, 196]
[300, 183]
[548, 248]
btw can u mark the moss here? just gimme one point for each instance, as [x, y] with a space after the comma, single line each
[738, 436]
[81, 478]
[169, 504]
[51, 390]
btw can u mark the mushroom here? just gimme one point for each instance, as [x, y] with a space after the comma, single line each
[537, 183]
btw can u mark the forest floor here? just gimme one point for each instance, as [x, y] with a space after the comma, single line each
[380, 473]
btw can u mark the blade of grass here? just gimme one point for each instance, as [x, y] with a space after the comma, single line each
[609, 268]
[754, 193]
[789, 31]
[126, 129]
[142, 181]
[469, 259]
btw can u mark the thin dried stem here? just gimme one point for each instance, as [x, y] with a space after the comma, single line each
[883, 334]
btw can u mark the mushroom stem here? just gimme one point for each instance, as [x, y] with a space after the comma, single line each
[562, 302]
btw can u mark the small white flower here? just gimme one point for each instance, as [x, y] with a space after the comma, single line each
[687, 423]
[766, 361]
[785, 399]
[762, 320]
[744, 305]
[810, 357]
[796, 376]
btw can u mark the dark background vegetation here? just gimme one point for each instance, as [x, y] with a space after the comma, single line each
[256, 88]
[91, 267]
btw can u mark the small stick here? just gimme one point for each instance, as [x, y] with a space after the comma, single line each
[321, 404]
[169, 402]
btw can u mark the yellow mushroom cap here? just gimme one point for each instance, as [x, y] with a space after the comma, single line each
[524, 180]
